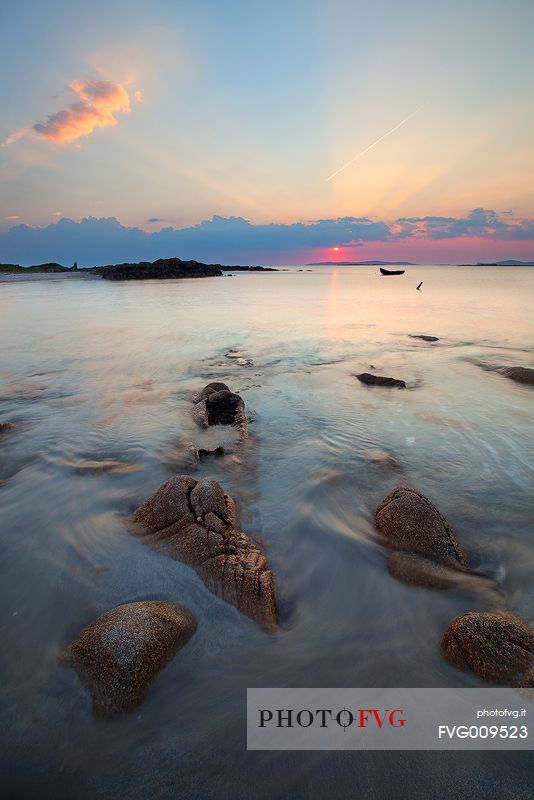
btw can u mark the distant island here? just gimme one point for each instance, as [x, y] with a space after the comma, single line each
[509, 263]
[361, 264]
[163, 268]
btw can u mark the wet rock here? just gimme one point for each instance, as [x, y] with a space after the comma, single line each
[413, 525]
[217, 451]
[379, 380]
[518, 374]
[195, 522]
[241, 358]
[424, 337]
[7, 427]
[118, 654]
[215, 404]
[498, 646]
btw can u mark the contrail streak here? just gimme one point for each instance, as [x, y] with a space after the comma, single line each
[333, 175]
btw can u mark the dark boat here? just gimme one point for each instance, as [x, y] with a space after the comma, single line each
[391, 271]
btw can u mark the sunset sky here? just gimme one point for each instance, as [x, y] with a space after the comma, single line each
[227, 118]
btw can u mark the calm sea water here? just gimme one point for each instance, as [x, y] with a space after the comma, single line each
[92, 370]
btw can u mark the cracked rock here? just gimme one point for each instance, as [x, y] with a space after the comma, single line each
[195, 522]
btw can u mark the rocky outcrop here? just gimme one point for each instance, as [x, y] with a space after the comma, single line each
[195, 522]
[215, 404]
[117, 655]
[380, 380]
[163, 268]
[411, 524]
[498, 646]
[518, 374]
[424, 337]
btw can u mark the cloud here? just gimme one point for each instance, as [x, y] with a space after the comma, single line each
[154, 219]
[234, 240]
[14, 137]
[13, 217]
[96, 107]
[139, 96]
[480, 222]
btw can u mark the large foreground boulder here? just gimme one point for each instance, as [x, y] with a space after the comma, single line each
[215, 404]
[195, 522]
[118, 654]
[413, 525]
[380, 380]
[518, 374]
[498, 646]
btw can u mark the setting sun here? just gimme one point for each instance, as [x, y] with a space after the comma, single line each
[335, 248]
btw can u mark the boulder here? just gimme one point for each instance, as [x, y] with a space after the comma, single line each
[518, 374]
[117, 655]
[195, 522]
[497, 645]
[424, 337]
[215, 404]
[412, 525]
[7, 427]
[380, 380]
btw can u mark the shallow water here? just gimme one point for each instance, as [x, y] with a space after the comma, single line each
[94, 371]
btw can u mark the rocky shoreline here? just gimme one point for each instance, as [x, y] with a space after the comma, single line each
[161, 269]
[194, 521]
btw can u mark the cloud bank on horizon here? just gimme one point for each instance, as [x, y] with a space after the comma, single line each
[231, 240]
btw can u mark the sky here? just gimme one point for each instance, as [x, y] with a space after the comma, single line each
[253, 132]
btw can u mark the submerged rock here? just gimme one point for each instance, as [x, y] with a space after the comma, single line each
[7, 427]
[118, 654]
[417, 570]
[498, 646]
[215, 404]
[413, 525]
[97, 467]
[241, 358]
[380, 380]
[195, 522]
[518, 374]
[381, 458]
[424, 337]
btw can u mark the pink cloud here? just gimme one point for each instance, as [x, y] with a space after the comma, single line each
[98, 103]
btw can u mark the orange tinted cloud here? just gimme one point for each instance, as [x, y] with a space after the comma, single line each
[98, 103]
